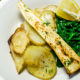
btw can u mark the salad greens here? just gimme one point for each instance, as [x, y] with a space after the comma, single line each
[70, 32]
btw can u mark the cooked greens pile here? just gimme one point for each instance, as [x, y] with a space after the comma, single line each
[70, 32]
[58, 62]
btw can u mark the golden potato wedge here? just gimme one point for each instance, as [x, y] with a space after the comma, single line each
[32, 55]
[19, 40]
[46, 67]
[35, 38]
[18, 59]
[51, 8]
[27, 27]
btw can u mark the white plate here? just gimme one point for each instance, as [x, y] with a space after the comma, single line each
[10, 17]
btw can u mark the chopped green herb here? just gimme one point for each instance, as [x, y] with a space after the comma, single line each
[26, 10]
[46, 23]
[71, 60]
[59, 42]
[50, 71]
[68, 62]
[46, 32]
[45, 37]
[46, 66]
[46, 69]
[24, 5]
[29, 18]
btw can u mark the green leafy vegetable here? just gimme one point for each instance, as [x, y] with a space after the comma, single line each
[70, 32]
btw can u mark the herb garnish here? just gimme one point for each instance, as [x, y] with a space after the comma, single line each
[50, 71]
[46, 23]
[46, 32]
[26, 10]
[46, 69]
[24, 5]
[59, 42]
[68, 62]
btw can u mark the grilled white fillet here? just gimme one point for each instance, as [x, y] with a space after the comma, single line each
[65, 53]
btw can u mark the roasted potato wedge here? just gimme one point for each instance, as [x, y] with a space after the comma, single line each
[19, 40]
[46, 68]
[34, 37]
[18, 59]
[32, 55]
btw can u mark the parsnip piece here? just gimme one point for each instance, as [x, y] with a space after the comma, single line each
[46, 67]
[34, 37]
[18, 59]
[19, 40]
[64, 52]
